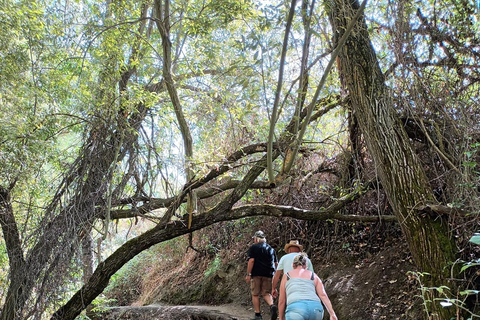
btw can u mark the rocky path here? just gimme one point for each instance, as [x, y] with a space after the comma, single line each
[237, 311]
[191, 312]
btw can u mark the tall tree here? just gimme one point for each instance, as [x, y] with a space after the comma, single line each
[399, 169]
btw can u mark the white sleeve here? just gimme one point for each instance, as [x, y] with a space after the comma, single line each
[309, 265]
[280, 264]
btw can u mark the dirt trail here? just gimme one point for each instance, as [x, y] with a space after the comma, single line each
[164, 312]
[238, 311]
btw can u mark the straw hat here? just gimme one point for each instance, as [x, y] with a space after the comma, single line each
[293, 243]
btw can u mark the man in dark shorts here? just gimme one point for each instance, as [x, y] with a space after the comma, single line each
[262, 263]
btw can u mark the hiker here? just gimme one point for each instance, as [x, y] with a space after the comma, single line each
[300, 293]
[262, 262]
[286, 263]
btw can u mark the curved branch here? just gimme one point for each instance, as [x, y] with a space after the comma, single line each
[166, 231]
[155, 204]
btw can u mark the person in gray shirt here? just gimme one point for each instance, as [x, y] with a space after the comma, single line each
[285, 264]
[302, 294]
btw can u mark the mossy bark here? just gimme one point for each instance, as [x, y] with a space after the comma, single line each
[399, 169]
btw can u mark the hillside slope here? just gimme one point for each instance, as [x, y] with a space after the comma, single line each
[367, 270]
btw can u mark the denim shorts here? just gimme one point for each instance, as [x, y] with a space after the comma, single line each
[304, 310]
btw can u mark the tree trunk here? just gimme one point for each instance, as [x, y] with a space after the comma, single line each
[15, 296]
[399, 168]
[87, 254]
[87, 258]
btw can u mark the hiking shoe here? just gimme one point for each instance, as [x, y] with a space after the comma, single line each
[273, 312]
[257, 318]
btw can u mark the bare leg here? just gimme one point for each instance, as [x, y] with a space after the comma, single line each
[268, 299]
[256, 303]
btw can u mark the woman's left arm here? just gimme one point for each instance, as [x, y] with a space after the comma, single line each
[320, 289]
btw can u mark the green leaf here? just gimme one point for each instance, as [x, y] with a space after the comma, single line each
[469, 292]
[468, 265]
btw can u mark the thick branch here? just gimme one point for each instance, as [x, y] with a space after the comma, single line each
[302, 214]
[154, 204]
[163, 232]
[218, 171]
[443, 210]
[166, 231]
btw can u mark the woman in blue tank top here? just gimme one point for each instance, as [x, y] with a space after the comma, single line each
[302, 294]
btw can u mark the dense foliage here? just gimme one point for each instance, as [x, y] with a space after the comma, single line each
[128, 110]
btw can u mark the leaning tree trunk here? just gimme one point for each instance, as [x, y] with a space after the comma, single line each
[399, 169]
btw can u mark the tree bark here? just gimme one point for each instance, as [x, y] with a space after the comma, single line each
[399, 168]
[87, 257]
[15, 297]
